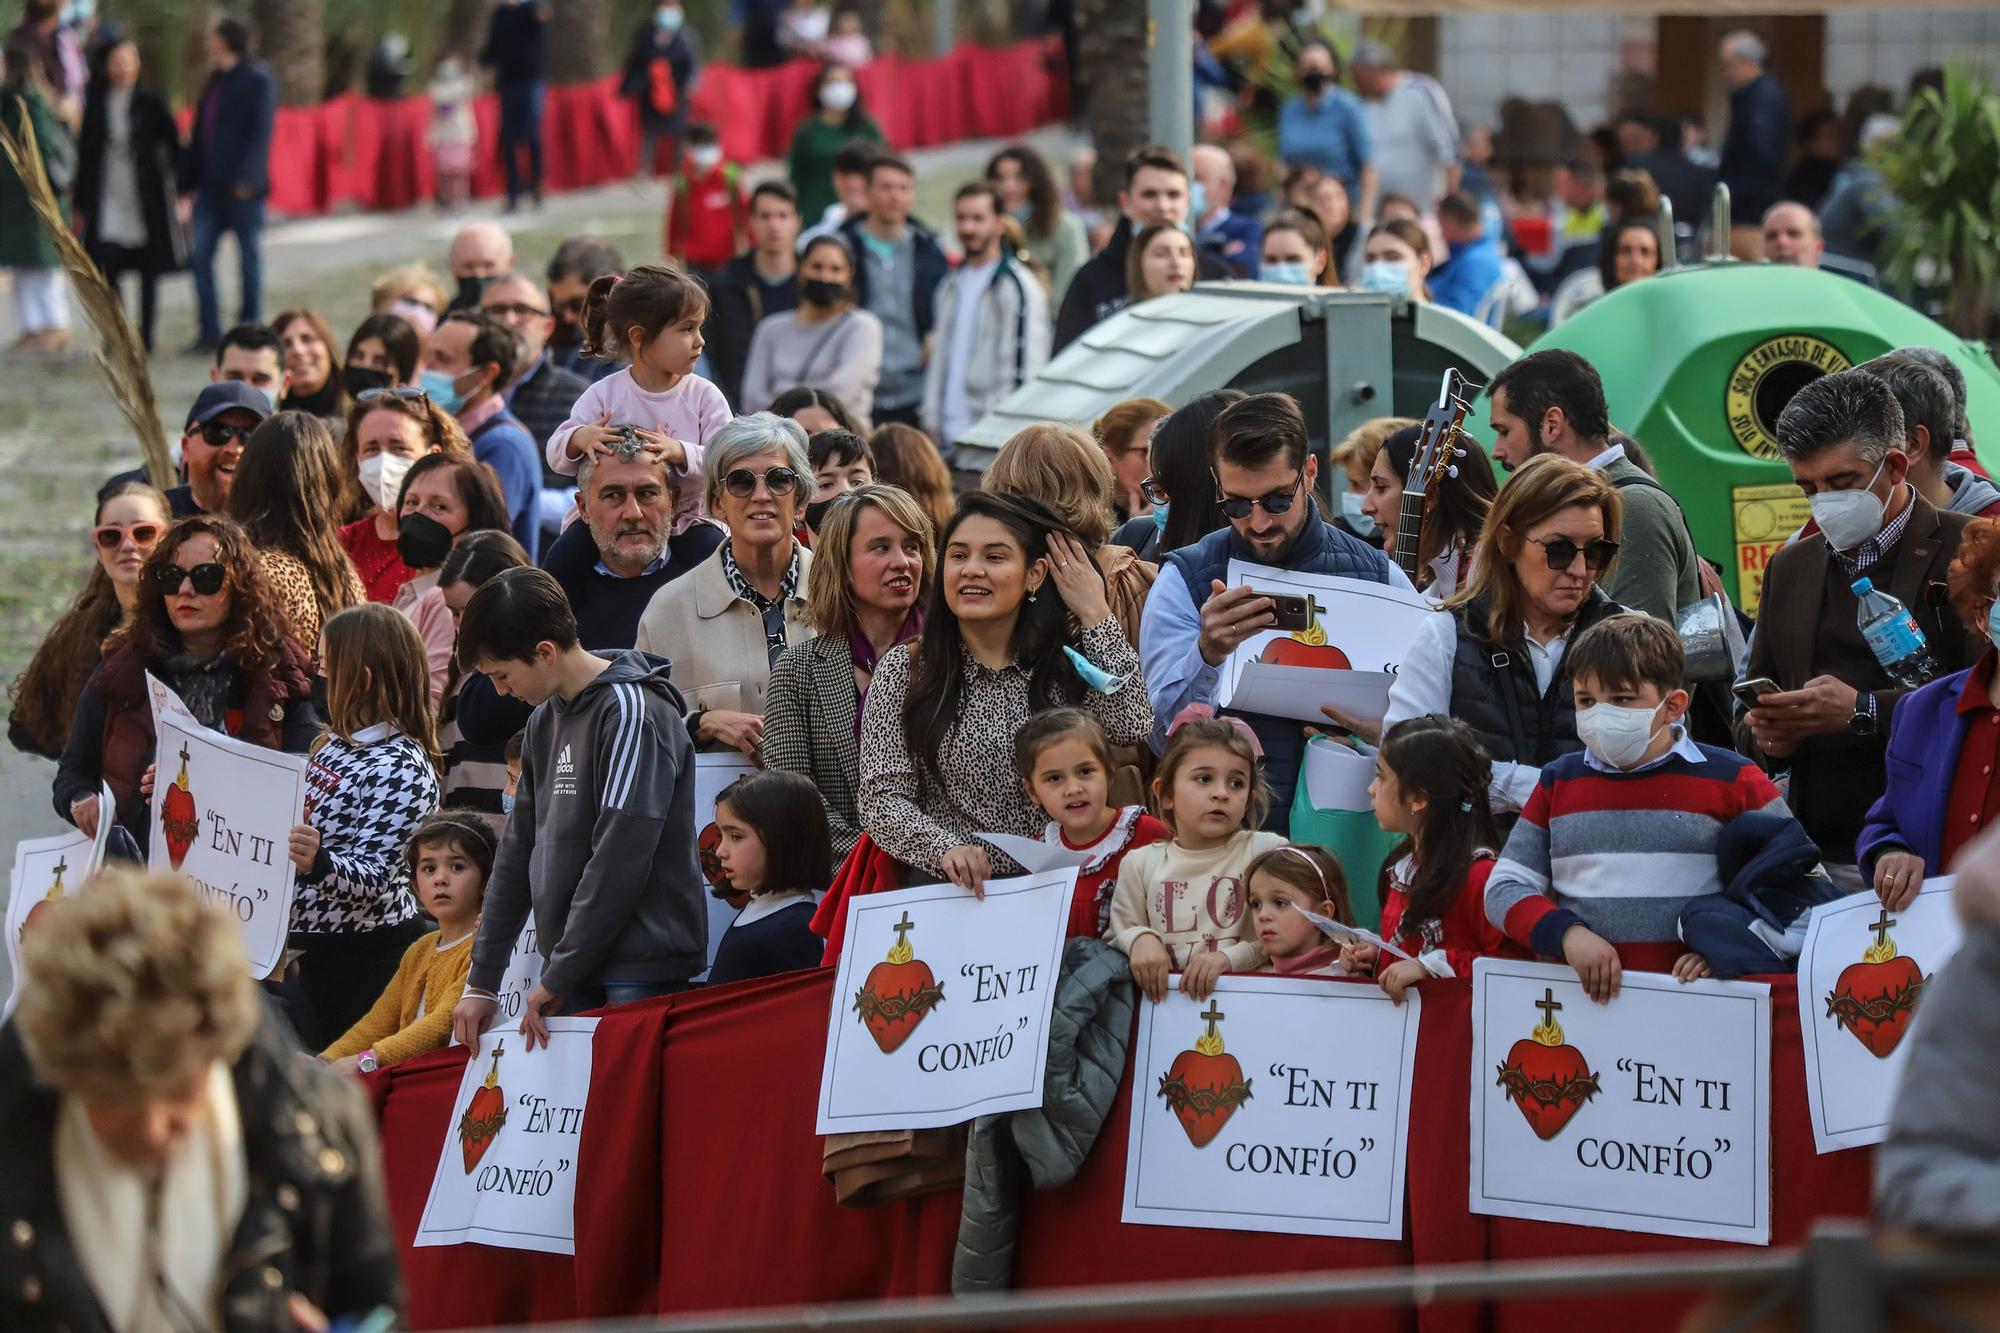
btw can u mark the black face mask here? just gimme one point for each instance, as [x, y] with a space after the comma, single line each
[816, 511]
[1314, 83]
[422, 541]
[470, 289]
[319, 698]
[566, 334]
[821, 292]
[358, 380]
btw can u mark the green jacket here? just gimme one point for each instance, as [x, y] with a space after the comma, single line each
[810, 161]
[23, 242]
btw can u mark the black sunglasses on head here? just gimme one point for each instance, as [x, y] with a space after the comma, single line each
[1562, 552]
[402, 391]
[742, 482]
[219, 433]
[208, 579]
[1277, 502]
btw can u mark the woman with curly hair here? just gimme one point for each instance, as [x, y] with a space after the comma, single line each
[131, 516]
[388, 430]
[208, 624]
[287, 497]
[1054, 235]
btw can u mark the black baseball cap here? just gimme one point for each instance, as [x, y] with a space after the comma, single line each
[226, 396]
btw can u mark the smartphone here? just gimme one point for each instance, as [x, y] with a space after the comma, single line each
[1748, 692]
[1293, 613]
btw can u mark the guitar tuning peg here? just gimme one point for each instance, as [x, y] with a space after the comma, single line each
[1451, 471]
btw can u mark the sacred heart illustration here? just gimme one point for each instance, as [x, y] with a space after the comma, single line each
[1547, 1078]
[1306, 647]
[1876, 998]
[484, 1115]
[898, 993]
[1204, 1086]
[54, 894]
[179, 820]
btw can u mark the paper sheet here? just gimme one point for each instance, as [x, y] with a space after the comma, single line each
[1297, 692]
[1035, 856]
[1337, 777]
[1351, 934]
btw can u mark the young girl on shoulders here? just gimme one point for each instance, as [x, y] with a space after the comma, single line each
[1430, 785]
[651, 318]
[1064, 761]
[372, 780]
[1284, 884]
[1180, 904]
[775, 847]
[449, 856]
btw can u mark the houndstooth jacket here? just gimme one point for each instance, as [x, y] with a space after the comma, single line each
[809, 715]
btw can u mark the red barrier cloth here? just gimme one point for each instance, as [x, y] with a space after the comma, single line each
[717, 1200]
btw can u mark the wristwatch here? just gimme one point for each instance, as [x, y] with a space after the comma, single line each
[367, 1063]
[1863, 723]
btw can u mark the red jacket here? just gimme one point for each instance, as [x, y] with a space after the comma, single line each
[1462, 930]
[708, 222]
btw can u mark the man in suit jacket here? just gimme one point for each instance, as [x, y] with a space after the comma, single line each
[228, 171]
[1842, 436]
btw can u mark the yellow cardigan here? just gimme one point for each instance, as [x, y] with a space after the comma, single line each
[392, 1027]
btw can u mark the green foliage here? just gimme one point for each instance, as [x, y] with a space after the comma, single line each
[1943, 166]
[1276, 79]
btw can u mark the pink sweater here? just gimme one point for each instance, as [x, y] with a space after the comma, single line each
[690, 412]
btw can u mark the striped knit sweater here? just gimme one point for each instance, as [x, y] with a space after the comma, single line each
[1620, 853]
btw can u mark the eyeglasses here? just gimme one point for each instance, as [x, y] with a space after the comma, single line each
[1155, 493]
[1277, 502]
[400, 391]
[742, 483]
[208, 579]
[516, 310]
[1562, 552]
[110, 536]
[218, 434]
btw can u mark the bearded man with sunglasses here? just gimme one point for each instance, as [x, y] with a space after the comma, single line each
[220, 423]
[1264, 476]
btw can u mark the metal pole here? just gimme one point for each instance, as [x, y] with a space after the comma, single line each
[1170, 74]
[1670, 255]
[945, 19]
[1718, 225]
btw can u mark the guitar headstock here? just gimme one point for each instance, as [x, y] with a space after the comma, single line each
[1440, 439]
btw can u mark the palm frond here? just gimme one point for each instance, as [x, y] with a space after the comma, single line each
[119, 356]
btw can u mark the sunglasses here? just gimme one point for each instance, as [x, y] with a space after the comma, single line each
[399, 391]
[1155, 493]
[110, 536]
[208, 579]
[1277, 502]
[742, 483]
[1562, 552]
[220, 433]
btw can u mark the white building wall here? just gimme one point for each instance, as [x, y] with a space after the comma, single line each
[1884, 47]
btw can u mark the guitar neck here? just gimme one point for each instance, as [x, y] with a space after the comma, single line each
[1409, 532]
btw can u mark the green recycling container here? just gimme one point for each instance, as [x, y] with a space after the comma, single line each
[1698, 362]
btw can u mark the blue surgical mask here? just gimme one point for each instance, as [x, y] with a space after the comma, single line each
[1094, 676]
[1993, 623]
[1350, 509]
[1386, 276]
[442, 388]
[506, 802]
[1160, 519]
[669, 20]
[1289, 272]
[1197, 205]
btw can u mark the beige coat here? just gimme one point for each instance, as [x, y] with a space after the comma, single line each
[715, 639]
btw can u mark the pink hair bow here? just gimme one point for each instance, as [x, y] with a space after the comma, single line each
[1204, 713]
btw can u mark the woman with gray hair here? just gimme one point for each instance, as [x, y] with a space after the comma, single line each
[724, 625]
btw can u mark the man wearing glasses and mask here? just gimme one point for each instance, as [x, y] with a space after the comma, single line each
[1264, 475]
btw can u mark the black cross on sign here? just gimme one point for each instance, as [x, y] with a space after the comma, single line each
[1880, 925]
[1548, 1004]
[1214, 1016]
[905, 925]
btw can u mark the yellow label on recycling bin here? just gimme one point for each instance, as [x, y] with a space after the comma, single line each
[1765, 380]
[1765, 518]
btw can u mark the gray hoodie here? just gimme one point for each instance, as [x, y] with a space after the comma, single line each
[1970, 493]
[601, 844]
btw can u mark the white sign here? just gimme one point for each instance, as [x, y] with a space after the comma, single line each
[1283, 1105]
[712, 774]
[1861, 976]
[1347, 656]
[1651, 1113]
[1338, 776]
[941, 1007]
[222, 814]
[47, 869]
[523, 974]
[507, 1173]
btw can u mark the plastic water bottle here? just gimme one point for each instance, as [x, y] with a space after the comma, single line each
[1893, 635]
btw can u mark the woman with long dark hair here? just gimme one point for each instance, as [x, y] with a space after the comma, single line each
[131, 518]
[1454, 510]
[287, 497]
[1010, 577]
[474, 719]
[1055, 236]
[1181, 486]
[208, 624]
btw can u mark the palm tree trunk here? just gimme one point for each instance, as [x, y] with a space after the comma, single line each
[291, 38]
[579, 39]
[465, 29]
[1112, 56]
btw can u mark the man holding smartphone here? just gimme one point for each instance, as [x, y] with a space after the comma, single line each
[1265, 474]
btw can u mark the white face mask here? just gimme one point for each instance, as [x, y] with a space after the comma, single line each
[706, 157]
[382, 477]
[1617, 736]
[838, 95]
[1849, 518]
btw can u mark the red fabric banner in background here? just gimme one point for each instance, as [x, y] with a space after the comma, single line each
[699, 1188]
[372, 154]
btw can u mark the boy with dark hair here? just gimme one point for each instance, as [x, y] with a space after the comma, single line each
[707, 218]
[898, 267]
[763, 280]
[600, 845]
[1619, 837]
